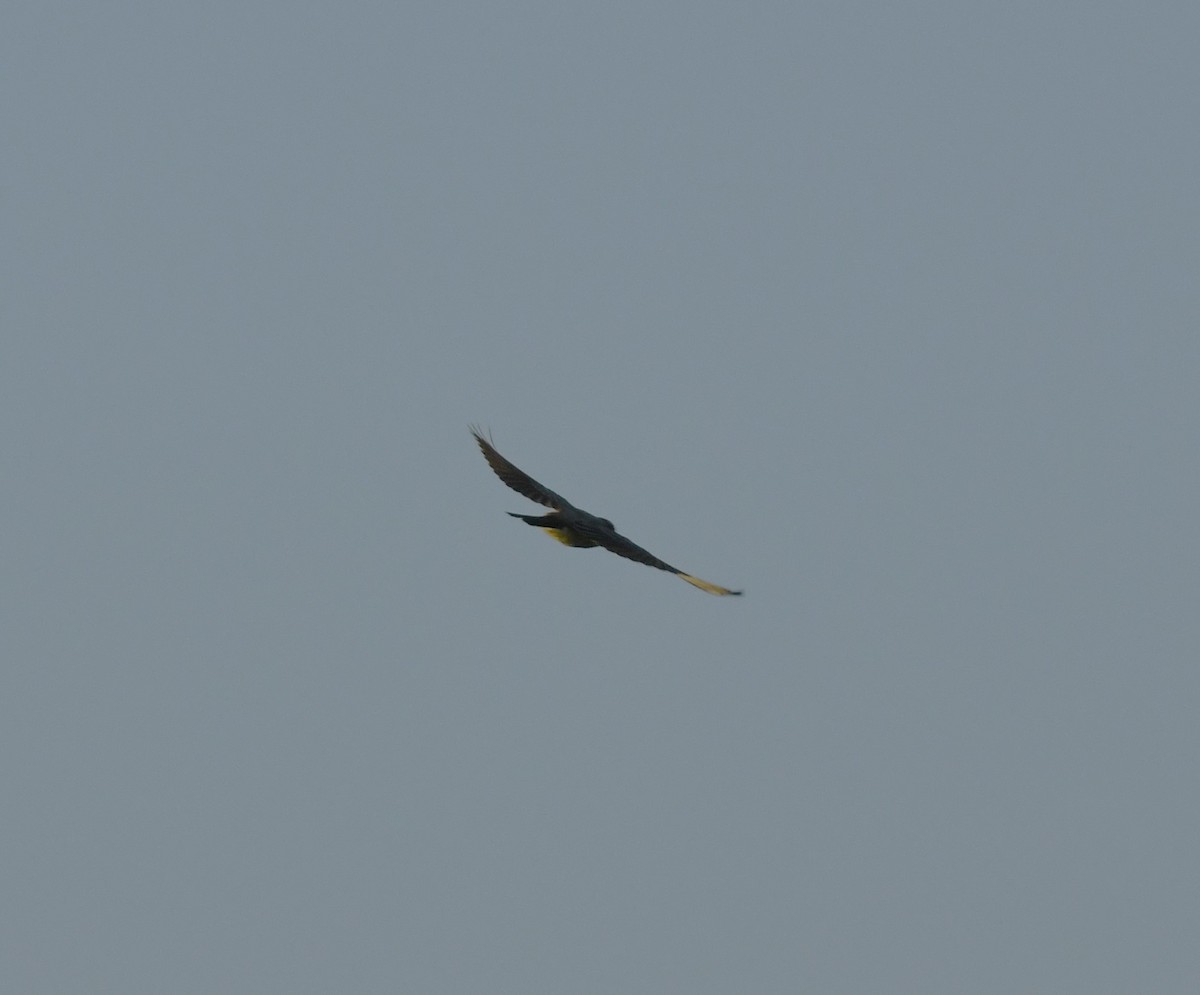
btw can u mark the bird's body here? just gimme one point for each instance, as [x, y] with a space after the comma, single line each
[573, 526]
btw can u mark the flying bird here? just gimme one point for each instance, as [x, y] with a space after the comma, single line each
[573, 526]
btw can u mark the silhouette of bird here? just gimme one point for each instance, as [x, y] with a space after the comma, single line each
[573, 526]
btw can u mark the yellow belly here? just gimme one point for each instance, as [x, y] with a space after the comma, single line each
[568, 538]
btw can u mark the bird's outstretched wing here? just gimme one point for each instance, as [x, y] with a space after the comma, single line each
[518, 479]
[614, 542]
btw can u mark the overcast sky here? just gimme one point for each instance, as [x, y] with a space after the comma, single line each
[884, 312]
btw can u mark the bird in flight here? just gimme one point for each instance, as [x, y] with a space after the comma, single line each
[573, 526]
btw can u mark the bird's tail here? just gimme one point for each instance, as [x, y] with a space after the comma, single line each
[540, 520]
[555, 528]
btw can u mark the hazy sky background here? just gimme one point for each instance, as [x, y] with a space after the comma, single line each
[884, 312]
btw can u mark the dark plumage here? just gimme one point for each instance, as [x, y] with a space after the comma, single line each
[574, 526]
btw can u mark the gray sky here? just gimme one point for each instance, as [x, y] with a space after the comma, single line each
[885, 312]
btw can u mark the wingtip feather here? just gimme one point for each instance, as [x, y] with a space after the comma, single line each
[708, 586]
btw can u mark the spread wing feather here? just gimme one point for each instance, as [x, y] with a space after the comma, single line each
[516, 478]
[614, 542]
